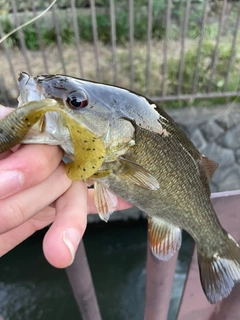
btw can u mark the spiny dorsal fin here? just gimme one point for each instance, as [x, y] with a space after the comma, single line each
[165, 239]
[105, 201]
[210, 166]
[138, 175]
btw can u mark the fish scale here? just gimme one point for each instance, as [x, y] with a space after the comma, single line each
[148, 155]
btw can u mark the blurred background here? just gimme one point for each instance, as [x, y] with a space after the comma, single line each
[184, 55]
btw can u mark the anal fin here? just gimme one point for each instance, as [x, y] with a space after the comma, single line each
[165, 238]
[105, 201]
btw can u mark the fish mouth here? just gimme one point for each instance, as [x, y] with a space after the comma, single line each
[29, 89]
[87, 148]
[51, 128]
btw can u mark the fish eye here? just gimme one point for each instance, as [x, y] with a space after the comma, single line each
[76, 100]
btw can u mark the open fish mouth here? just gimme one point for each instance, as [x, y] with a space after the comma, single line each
[51, 128]
[29, 89]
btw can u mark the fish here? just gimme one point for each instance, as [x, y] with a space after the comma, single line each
[126, 146]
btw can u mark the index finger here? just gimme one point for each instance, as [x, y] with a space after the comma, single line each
[28, 166]
[4, 111]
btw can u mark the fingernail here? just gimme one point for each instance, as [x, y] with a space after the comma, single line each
[71, 237]
[10, 182]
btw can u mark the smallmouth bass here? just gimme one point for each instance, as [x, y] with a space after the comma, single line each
[126, 146]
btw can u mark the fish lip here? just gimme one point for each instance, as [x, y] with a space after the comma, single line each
[29, 89]
[22, 75]
[44, 77]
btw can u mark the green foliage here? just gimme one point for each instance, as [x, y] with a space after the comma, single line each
[139, 69]
[49, 35]
[30, 37]
[211, 31]
[85, 28]
[204, 69]
[122, 21]
[104, 24]
[84, 19]
[7, 27]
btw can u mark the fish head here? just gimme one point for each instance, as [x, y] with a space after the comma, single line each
[96, 107]
[64, 124]
[87, 111]
[70, 95]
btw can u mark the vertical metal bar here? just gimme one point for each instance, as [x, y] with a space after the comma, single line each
[21, 38]
[149, 42]
[80, 279]
[7, 55]
[233, 50]
[131, 43]
[196, 70]
[95, 38]
[76, 36]
[159, 282]
[165, 48]
[215, 57]
[4, 95]
[40, 40]
[113, 36]
[59, 39]
[182, 53]
[3, 91]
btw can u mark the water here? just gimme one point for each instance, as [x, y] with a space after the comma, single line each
[30, 289]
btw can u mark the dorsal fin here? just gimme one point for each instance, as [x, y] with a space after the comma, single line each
[210, 166]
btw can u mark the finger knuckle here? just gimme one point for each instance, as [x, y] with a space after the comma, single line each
[42, 159]
[13, 214]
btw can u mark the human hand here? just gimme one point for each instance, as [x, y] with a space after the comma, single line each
[35, 192]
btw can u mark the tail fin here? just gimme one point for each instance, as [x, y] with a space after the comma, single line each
[220, 272]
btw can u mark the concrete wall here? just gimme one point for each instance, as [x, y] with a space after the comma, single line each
[216, 134]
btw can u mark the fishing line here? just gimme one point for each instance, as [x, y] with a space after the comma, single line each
[28, 22]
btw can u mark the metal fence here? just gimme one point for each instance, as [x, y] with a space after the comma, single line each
[189, 50]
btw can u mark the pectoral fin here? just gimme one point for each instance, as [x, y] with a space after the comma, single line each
[105, 201]
[165, 239]
[138, 175]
